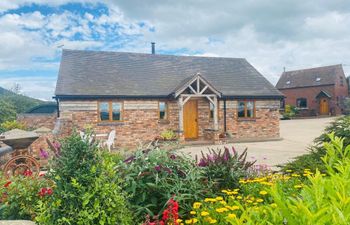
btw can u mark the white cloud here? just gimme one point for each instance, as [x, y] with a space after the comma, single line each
[271, 35]
[37, 86]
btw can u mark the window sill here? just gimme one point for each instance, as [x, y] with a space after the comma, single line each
[162, 121]
[247, 119]
[111, 123]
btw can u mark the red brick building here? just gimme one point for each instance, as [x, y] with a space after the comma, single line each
[141, 95]
[315, 91]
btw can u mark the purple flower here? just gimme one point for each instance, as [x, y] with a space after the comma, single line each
[202, 163]
[172, 156]
[158, 168]
[168, 170]
[44, 154]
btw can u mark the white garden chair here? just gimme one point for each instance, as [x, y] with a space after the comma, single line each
[110, 141]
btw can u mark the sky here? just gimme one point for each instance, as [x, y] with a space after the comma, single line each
[270, 34]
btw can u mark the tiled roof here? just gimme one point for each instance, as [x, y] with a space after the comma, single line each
[310, 77]
[90, 73]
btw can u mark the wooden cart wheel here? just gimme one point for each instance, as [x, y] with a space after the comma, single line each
[20, 165]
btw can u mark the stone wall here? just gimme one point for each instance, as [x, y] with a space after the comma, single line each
[34, 121]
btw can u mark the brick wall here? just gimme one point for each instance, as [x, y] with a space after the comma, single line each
[141, 123]
[264, 125]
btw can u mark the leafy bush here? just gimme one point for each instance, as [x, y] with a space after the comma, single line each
[168, 135]
[321, 199]
[290, 111]
[225, 168]
[154, 176]
[21, 194]
[12, 124]
[87, 187]
[340, 127]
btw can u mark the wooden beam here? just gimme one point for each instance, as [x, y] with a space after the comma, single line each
[194, 91]
[198, 95]
[198, 87]
[181, 106]
[186, 99]
[211, 100]
[216, 125]
[203, 90]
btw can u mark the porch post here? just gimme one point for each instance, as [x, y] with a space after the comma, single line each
[181, 114]
[216, 125]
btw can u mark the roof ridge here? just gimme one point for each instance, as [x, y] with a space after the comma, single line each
[148, 54]
[313, 68]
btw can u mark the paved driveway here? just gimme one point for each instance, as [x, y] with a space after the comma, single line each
[297, 136]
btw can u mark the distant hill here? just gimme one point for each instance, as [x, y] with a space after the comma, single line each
[11, 104]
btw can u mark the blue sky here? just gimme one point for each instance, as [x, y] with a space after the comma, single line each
[296, 34]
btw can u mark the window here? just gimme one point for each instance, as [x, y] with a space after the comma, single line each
[246, 109]
[163, 110]
[341, 81]
[301, 103]
[288, 82]
[318, 79]
[110, 111]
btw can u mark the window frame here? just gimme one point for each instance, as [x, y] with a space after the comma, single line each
[166, 111]
[245, 109]
[110, 111]
[306, 107]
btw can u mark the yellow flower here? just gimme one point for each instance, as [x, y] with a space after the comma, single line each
[204, 213]
[221, 210]
[273, 205]
[219, 198]
[234, 207]
[196, 205]
[297, 186]
[289, 171]
[223, 202]
[239, 197]
[179, 220]
[259, 200]
[191, 221]
[193, 213]
[295, 175]
[231, 216]
[211, 220]
[237, 189]
[263, 192]
[210, 200]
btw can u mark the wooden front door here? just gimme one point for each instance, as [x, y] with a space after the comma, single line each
[190, 118]
[324, 106]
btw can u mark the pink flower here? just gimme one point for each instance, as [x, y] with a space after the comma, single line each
[44, 154]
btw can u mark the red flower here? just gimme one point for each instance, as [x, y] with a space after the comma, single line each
[7, 184]
[43, 192]
[28, 173]
[49, 191]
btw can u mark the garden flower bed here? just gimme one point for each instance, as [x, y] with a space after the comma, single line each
[86, 185]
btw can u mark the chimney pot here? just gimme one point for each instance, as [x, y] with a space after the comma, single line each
[153, 48]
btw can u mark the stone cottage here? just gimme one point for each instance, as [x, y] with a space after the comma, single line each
[141, 95]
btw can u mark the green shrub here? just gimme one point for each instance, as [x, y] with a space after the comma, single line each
[154, 176]
[87, 187]
[12, 124]
[290, 111]
[321, 199]
[19, 196]
[168, 135]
